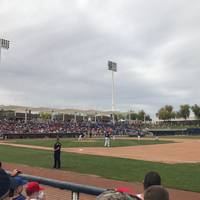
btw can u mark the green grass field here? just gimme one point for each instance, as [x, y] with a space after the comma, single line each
[180, 176]
[87, 143]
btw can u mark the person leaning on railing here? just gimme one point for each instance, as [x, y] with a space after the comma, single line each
[16, 188]
[5, 184]
[11, 185]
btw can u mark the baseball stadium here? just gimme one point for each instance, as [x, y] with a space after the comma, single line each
[99, 100]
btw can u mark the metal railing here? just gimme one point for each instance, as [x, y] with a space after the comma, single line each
[76, 189]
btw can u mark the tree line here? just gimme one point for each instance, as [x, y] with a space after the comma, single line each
[167, 112]
[132, 115]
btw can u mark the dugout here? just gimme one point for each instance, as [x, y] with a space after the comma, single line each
[168, 132]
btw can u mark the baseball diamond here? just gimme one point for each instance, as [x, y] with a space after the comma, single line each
[164, 153]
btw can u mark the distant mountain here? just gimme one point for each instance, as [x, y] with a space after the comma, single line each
[45, 109]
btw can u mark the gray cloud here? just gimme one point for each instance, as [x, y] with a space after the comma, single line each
[59, 52]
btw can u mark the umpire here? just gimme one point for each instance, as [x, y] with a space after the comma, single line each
[57, 150]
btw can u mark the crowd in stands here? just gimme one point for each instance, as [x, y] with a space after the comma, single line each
[86, 127]
[14, 187]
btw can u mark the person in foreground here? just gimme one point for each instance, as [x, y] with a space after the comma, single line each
[11, 185]
[116, 195]
[156, 192]
[5, 184]
[17, 188]
[34, 191]
[151, 178]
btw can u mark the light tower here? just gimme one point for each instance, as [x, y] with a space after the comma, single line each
[3, 44]
[112, 66]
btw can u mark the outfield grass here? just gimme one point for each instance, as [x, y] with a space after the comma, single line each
[180, 176]
[87, 143]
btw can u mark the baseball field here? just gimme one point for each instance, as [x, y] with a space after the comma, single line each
[177, 160]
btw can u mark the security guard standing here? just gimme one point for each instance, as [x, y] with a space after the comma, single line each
[57, 150]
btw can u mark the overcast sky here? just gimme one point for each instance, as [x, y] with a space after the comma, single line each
[59, 51]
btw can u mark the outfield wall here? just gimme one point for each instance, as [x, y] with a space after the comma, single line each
[168, 132]
[39, 135]
[156, 132]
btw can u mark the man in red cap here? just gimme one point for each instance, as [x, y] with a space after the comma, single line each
[34, 191]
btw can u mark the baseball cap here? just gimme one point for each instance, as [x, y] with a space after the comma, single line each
[17, 181]
[34, 187]
[4, 183]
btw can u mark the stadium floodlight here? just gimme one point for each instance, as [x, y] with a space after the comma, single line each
[4, 44]
[112, 66]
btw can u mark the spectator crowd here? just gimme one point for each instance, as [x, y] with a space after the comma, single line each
[85, 127]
